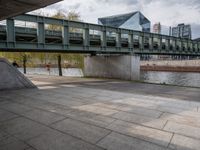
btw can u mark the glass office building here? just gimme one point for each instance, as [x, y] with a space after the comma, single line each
[183, 31]
[132, 21]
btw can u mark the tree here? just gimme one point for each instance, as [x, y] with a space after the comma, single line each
[74, 16]
[74, 59]
[71, 15]
[45, 58]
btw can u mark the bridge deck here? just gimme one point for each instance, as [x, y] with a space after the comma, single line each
[71, 36]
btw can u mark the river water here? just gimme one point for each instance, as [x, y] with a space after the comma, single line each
[173, 78]
[69, 72]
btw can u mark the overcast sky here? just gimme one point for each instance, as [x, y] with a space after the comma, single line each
[168, 12]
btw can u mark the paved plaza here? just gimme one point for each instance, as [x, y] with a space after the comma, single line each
[97, 114]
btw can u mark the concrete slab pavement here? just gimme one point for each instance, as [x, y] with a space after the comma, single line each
[98, 114]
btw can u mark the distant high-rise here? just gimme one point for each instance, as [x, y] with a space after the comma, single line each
[132, 21]
[183, 31]
[157, 28]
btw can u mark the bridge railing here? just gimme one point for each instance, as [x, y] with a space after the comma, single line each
[125, 41]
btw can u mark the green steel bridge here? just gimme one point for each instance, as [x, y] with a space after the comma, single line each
[45, 34]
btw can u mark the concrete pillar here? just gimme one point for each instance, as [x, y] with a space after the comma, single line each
[126, 67]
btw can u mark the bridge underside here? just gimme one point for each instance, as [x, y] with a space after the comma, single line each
[10, 8]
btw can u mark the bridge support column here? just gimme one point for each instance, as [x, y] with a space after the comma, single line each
[126, 67]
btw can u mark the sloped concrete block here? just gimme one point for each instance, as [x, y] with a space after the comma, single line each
[11, 78]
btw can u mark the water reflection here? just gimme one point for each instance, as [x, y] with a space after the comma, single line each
[69, 72]
[175, 78]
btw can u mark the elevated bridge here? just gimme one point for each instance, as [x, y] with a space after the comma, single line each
[45, 34]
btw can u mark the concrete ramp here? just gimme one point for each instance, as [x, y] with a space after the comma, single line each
[12, 78]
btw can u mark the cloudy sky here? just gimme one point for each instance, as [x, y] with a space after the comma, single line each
[168, 12]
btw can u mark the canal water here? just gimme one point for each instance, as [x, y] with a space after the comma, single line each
[173, 78]
[69, 72]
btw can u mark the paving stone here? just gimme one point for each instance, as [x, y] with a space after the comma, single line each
[183, 129]
[192, 121]
[91, 118]
[57, 141]
[140, 99]
[75, 94]
[102, 98]
[132, 109]
[138, 119]
[185, 112]
[111, 105]
[43, 116]
[3, 101]
[180, 142]
[16, 108]
[148, 134]
[81, 130]
[23, 128]
[96, 110]
[49, 106]
[16, 145]
[66, 101]
[189, 114]
[3, 134]
[95, 107]
[30, 148]
[115, 141]
[5, 115]
[5, 138]
[146, 112]
[186, 105]
[147, 105]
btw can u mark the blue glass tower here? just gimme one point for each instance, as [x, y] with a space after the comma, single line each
[132, 21]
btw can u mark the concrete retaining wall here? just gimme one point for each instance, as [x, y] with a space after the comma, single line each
[11, 78]
[121, 67]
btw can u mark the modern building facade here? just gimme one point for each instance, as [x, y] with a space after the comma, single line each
[183, 31]
[132, 21]
[157, 28]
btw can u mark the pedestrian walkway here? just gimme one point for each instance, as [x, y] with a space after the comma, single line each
[98, 114]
